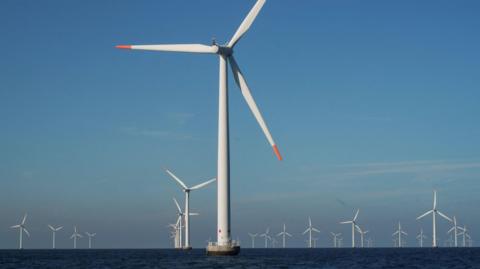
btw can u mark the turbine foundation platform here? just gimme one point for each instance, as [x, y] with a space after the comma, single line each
[228, 250]
[187, 248]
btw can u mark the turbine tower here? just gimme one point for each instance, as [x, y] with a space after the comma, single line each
[335, 245]
[182, 215]
[399, 232]
[434, 211]
[90, 239]
[309, 230]
[54, 230]
[267, 236]
[253, 239]
[187, 191]
[22, 229]
[420, 238]
[283, 234]
[455, 229]
[353, 222]
[224, 245]
[362, 233]
[74, 236]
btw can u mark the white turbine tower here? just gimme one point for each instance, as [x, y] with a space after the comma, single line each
[335, 245]
[420, 238]
[399, 232]
[22, 229]
[283, 234]
[455, 229]
[187, 191]
[224, 244]
[267, 236]
[353, 222]
[309, 230]
[90, 238]
[434, 211]
[362, 233]
[181, 216]
[253, 239]
[54, 230]
[74, 236]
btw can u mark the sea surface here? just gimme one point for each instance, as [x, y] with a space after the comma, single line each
[248, 258]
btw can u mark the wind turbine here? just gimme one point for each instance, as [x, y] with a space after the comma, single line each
[22, 229]
[274, 242]
[75, 235]
[90, 239]
[339, 244]
[353, 222]
[314, 242]
[369, 242]
[399, 232]
[464, 233]
[362, 233]
[187, 191]
[225, 54]
[283, 234]
[455, 229]
[434, 211]
[54, 230]
[267, 237]
[253, 239]
[335, 238]
[309, 230]
[182, 215]
[420, 238]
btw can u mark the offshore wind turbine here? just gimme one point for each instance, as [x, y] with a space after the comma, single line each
[22, 229]
[353, 222]
[399, 232]
[54, 230]
[75, 235]
[362, 233]
[283, 234]
[267, 236]
[464, 233]
[253, 239]
[434, 211]
[455, 229]
[187, 191]
[224, 245]
[90, 238]
[309, 230]
[181, 216]
[420, 238]
[335, 239]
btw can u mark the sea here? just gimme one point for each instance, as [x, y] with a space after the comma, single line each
[248, 258]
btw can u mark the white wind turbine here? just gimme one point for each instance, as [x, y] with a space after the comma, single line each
[181, 216]
[339, 243]
[420, 238]
[187, 191]
[54, 230]
[253, 239]
[225, 54]
[283, 234]
[465, 235]
[353, 222]
[362, 233]
[434, 211]
[455, 229]
[399, 232]
[75, 235]
[335, 238]
[90, 239]
[267, 236]
[22, 229]
[309, 230]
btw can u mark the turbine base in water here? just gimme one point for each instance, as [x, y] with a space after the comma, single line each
[229, 250]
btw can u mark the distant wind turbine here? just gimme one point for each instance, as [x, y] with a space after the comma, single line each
[399, 232]
[455, 229]
[465, 235]
[267, 236]
[22, 229]
[353, 222]
[54, 230]
[309, 230]
[434, 211]
[74, 236]
[362, 233]
[420, 238]
[90, 239]
[181, 216]
[335, 239]
[283, 234]
[187, 191]
[253, 239]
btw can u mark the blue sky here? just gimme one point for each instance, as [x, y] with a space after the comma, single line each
[373, 104]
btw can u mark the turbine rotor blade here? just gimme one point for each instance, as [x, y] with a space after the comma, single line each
[178, 206]
[346, 222]
[424, 214]
[356, 215]
[247, 22]
[51, 228]
[435, 199]
[242, 84]
[24, 219]
[192, 48]
[444, 216]
[15, 226]
[26, 231]
[177, 179]
[201, 185]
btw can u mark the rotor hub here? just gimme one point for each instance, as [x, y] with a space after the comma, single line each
[225, 51]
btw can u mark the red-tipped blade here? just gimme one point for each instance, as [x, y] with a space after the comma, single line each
[277, 152]
[123, 47]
